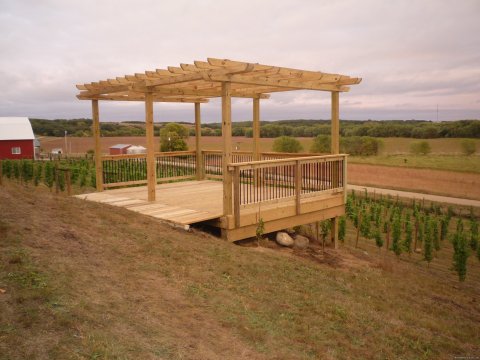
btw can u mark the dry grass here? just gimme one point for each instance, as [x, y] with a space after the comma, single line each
[84, 280]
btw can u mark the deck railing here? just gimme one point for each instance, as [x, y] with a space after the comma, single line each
[175, 165]
[122, 170]
[295, 179]
[212, 164]
[131, 169]
[212, 161]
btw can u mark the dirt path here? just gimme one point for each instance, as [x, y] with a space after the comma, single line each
[439, 182]
[416, 195]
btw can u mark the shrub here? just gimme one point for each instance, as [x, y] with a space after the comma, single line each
[407, 244]
[172, 137]
[378, 237]
[360, 145]
[469, 147]
[420, 148]
[49, 176]
[435, 234]
[428, 241]
[287, 144]
[460, 251]
[321, 144]
[474, 234]
[38, 173]
[396, 234]
[365, 223]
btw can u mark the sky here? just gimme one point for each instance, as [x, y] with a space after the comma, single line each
[413, 56]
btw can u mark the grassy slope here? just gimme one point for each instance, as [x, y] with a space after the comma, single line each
[85, 281]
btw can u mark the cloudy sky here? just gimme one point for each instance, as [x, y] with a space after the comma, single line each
[412, 55]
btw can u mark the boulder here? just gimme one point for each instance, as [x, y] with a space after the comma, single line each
[284, 239]
[301, 242]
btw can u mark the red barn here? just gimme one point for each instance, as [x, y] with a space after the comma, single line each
[16, 138]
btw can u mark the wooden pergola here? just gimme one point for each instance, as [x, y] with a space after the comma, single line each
[197, 83]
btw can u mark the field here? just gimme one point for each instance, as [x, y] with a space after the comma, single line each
[450, 175]
[391, 146]
[80, 280]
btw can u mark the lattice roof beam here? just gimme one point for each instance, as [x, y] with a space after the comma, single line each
[140, 97]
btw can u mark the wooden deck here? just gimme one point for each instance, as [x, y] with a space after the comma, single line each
[182, 203]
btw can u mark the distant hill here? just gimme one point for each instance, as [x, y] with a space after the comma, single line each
[299, 128]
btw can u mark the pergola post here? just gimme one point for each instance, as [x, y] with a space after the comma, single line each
[151, 171]
[256, 129]
[198, 147]
[335, 149]
[98, 147]
[227, 147]
[335, 130]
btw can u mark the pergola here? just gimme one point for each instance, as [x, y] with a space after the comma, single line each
[197, 83]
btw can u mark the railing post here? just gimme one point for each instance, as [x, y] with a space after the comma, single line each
[236, 196]
[298, 186]
[335, 174]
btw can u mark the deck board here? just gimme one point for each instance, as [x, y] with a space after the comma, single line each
[182, 203]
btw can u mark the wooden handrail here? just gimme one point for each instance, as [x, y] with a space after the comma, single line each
[285, 154]
[267, 163]
[124, 156]
[175, 153]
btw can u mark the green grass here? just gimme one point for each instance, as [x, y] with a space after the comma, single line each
[438, 162]
[392, 146]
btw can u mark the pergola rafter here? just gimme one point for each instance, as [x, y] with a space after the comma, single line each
[204, 79]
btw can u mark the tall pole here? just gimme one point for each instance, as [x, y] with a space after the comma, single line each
[151, 173]
[198, 146]
[256, 129]
[227, 147]
[335, 149]
[66, 146]
[98, 148]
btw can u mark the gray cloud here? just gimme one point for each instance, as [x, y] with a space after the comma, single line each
[412, 55]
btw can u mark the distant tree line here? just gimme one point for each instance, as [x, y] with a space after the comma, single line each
[271, 129]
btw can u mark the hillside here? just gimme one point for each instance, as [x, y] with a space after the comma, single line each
[271, 129]
[84, 280]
